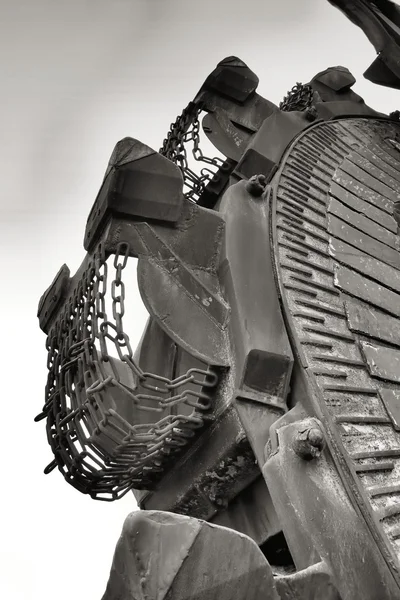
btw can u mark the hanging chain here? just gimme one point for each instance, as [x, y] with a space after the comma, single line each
[300, 97]
[185, 130]
[109, 423]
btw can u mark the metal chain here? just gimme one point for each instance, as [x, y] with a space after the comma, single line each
[300, 97]
[98, 448]
[185, 130]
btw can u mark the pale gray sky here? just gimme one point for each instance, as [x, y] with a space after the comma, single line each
[78, 76]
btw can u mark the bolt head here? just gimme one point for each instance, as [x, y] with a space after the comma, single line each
[309, 443]
[256, 185]
[315, 437]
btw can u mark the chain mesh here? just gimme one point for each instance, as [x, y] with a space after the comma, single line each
[300, 97]
[185, 130]
[110, 424]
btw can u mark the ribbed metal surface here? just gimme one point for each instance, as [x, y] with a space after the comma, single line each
[339, 269]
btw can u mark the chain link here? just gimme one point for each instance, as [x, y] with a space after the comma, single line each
[96, 443]
[300, 97]
[185, 130]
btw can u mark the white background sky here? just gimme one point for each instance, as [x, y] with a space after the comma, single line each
[76, 77]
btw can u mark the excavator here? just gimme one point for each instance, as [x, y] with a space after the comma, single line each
[258, 421]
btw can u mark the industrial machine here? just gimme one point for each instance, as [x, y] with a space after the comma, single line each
[258, 421]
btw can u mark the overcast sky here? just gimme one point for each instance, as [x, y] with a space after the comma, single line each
[77, 76]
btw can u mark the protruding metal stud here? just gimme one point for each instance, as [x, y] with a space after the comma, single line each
[256, 185]
[309, 443]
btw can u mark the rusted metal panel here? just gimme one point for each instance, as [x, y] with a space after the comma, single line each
[382, 362]
[362, 223]
[340, 230]
[372, 323]
[377, 295]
